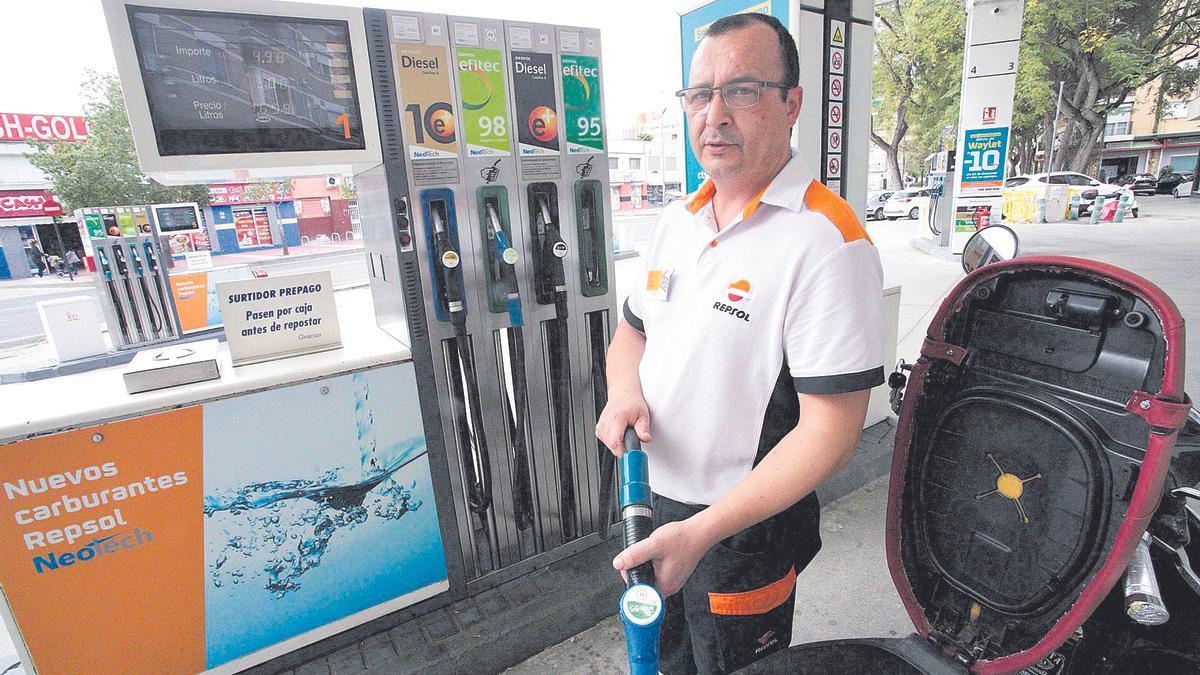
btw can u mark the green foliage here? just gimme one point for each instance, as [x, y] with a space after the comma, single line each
[267, 190]
[1104, 50]
[916, 76]
[645, 136]
[348, 188]
[104, 171]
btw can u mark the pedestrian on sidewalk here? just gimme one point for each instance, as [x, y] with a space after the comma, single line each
[72, 260]
[39, 259]
[746, 359]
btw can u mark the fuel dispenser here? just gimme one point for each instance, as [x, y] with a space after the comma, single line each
[478, 150]
[501, 246]
[131, 280]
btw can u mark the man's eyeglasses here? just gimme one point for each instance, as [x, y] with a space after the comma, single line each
[736, 94]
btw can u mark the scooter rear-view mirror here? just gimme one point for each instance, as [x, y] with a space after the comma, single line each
[994, 243]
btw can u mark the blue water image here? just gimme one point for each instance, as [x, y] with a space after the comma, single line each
[290, 554]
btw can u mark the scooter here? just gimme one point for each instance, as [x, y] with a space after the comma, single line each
[1043, 509]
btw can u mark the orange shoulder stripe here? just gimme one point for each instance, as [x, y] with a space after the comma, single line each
[823, 200]
[753, 205]
[702, 196]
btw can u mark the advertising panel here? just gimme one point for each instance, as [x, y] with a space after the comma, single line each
[80, 519]
[484, 101]
[195, 296]
[34, 127]
[25, 203]
[581, 99]
[430, 129]
[222, 534]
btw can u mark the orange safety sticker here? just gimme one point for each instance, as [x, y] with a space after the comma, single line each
[757, 601]
[654, 280]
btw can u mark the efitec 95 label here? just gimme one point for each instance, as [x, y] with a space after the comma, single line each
[581, 99]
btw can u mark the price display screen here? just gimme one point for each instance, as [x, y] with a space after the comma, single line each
[220, 83]
[176, 218]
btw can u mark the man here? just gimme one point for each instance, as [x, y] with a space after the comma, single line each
[745, 359]
[39, 259]
[72, 259]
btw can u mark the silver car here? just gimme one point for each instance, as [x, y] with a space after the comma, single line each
[875, 204]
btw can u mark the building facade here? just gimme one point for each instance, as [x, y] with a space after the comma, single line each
[1147, 135]
[26, 204]
[645, 165]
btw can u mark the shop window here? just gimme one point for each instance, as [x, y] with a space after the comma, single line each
[1183, 163]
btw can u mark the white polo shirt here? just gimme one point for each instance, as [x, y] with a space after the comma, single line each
[794, 282]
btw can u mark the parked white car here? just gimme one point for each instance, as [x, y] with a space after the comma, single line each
[1184, 189]
[1077, 183]
[906, 203]
[875, 203]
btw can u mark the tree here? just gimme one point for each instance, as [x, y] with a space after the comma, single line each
[104, 170]
[1105, 50]
[916, 78]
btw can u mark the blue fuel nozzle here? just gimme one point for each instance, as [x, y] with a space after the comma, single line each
[641, 604]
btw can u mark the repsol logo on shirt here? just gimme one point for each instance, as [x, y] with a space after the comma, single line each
[738, 292]
[732, 311]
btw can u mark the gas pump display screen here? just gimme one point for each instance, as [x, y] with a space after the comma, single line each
[221, 83]
[176, 219]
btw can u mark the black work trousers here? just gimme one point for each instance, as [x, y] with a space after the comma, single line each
[737, 606]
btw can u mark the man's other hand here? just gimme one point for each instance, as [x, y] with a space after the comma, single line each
[620, 413]
[675, 549]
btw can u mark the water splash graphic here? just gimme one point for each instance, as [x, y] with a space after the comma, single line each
[275, 531]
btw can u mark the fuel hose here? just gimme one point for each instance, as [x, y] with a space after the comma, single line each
[152, 264]
[552, 249]
[110, 282]
[139, 269]
[469, 416]
[123, 270]
[504, 259]
[587, 242]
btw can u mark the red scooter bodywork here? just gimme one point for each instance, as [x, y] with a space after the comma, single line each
[1033, 443]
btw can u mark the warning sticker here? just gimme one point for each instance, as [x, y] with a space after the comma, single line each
[833, 166]
[833, 141]
[836, 83]
[837, 33]
[834, 116]
[837, 61]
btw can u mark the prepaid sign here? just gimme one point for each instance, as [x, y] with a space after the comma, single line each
[277, 317]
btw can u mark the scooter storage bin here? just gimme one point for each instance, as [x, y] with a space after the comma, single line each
[1034, 439]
